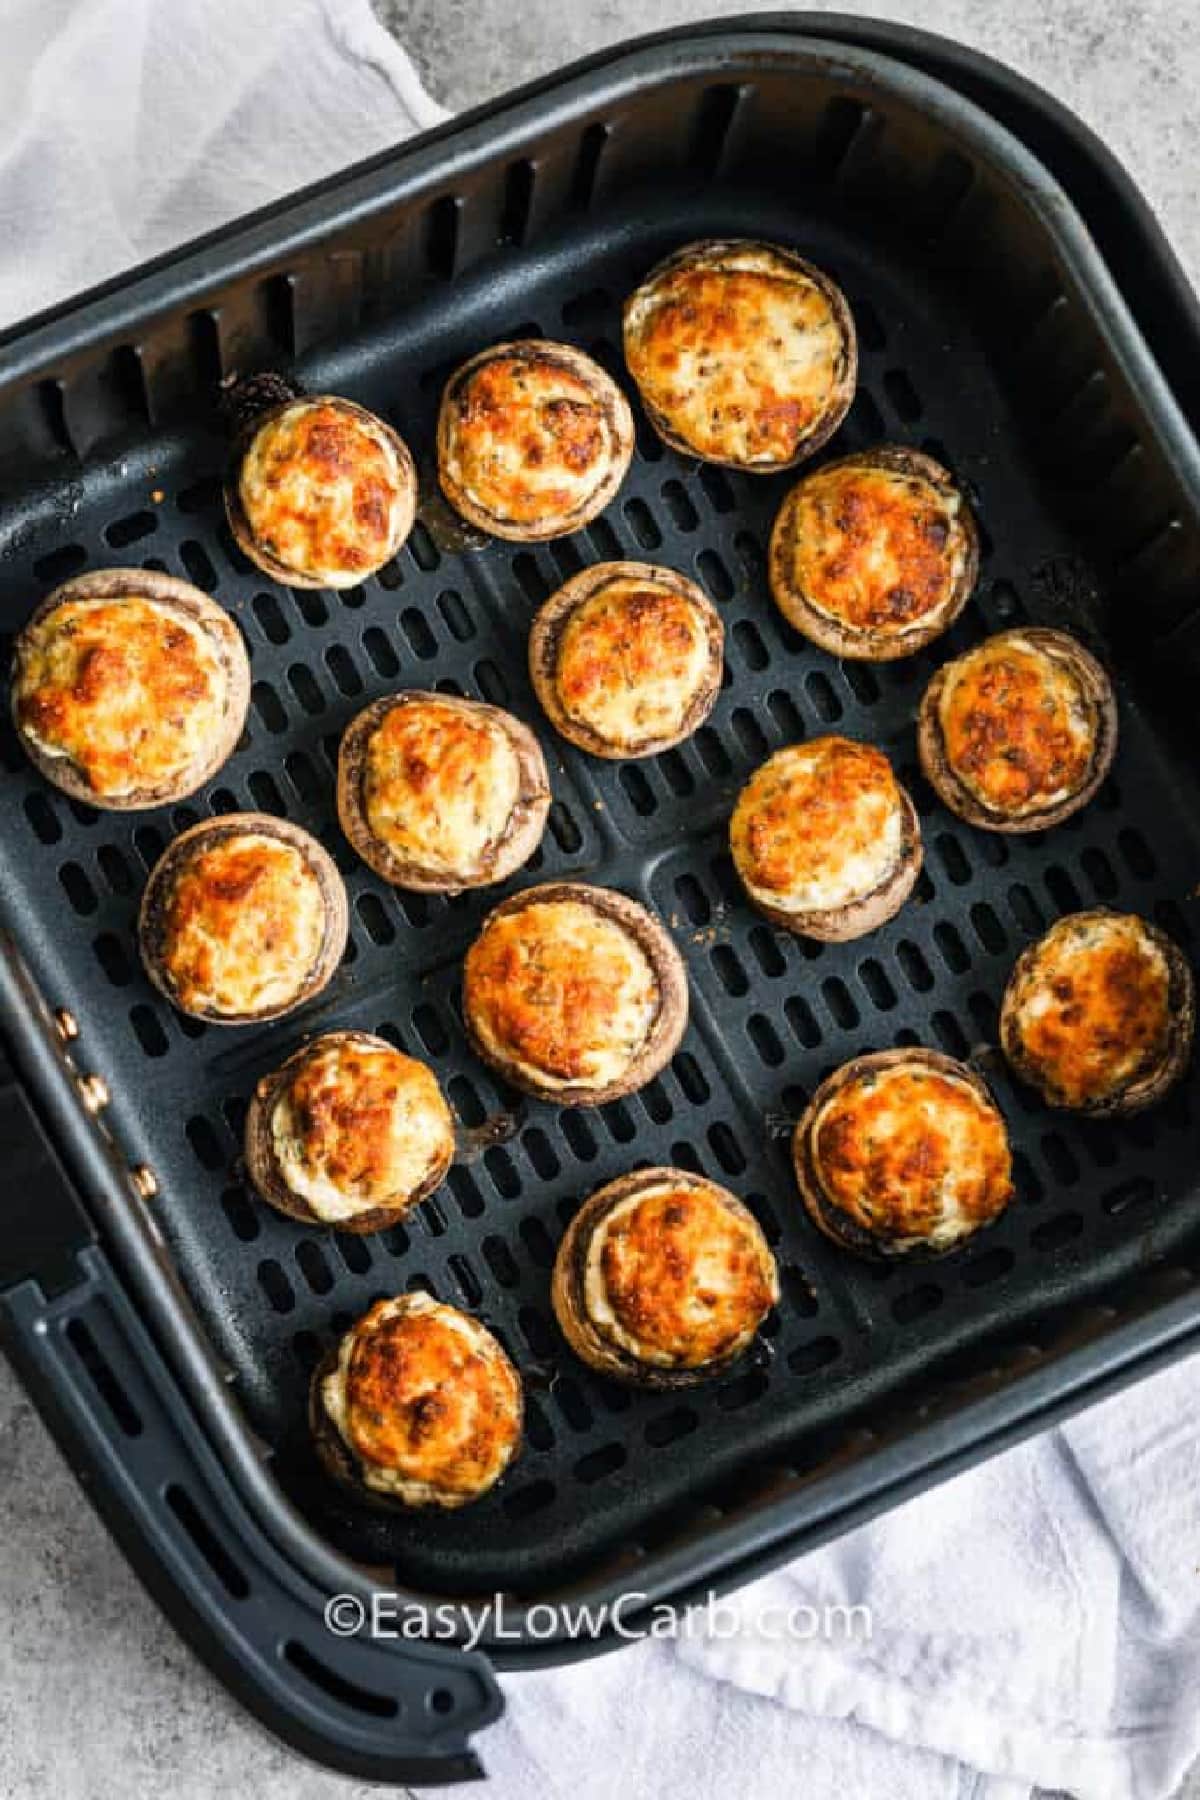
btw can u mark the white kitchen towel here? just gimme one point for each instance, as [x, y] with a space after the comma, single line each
[1037, 1618]
[128, 126]
[1034, 1623]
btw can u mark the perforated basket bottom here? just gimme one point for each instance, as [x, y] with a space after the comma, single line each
[770, 1015]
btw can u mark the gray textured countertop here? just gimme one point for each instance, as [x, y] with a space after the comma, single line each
[97, 1695]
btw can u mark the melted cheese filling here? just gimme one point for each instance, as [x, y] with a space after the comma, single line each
[912, 1155]
[426, 1401]
[359, 1126]
[631, 660]
[440, 785]
[740, 360]
[530, 440]
[131, 692]
[1094, 1014]
[323, 491]
[675, 1278]
[1018, 730]
[244, 927]
[561, 993]
[876, 550]
[819, 825]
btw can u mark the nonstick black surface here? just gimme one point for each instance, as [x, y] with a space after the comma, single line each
[771, 1015]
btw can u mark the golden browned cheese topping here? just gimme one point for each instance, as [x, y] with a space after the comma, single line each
[677, 1277]
[131, 692]
[244, 925]
[740, 359]
[439, 785]
[873, 549]
[562, 991]
[631, 660]
[1093, 1013]
[1018, 729]
[359, 1126]
[322, 490]
[913, 1154]
[818, 825]
[530, 439]
[427, 1399]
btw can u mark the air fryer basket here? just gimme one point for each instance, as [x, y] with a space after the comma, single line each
[992, 335]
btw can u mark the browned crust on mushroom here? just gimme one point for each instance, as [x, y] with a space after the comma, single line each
[152, 917]
[568, 1295]
[931, 747]
[340, 1463]
[192, 604]
[670, 1021]
[845, 640]
[526, 822]
[1152, 1084]
[262, 1163]
[609, 399]
[825, 1215]
[552, 619]
[240, 526]
[854, 919]
[713, 253]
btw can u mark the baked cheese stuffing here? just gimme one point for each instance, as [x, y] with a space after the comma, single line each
[359, 1126]
[677, 1276]
[130, 692]
[560, 993]
[626, 658]
[533, 439]
[426, 1402]
[324, 491]
[743, 353]
[1088, 1015]
[1018, 728]
[243, 927]
[910, 1154]
[440, 783]
[630, 662]
[819, 825]
[879, 546]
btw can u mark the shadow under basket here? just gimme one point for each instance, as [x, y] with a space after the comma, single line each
[993, 336]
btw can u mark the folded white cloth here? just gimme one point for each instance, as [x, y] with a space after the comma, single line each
[1038, 1618]
[128, 126]
[1036, 1622]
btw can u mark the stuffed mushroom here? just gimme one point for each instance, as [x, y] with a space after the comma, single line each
[349, 1132]
[319, 492]
[439, 793]
[243, 919]
[825, 840]
[1020, 731]
[129, 688]
[663, 1279]
[1099, 1014]
[574, 993]
[533, 440]
[417, 1406]
[626, 659]
[874, 555]
[902, 1153]
[744, 354]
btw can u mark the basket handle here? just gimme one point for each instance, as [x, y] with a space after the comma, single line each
[385, 1710]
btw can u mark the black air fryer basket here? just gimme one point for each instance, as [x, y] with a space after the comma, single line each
[1003, 312]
